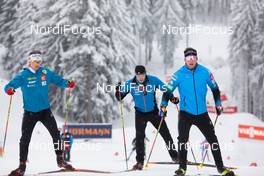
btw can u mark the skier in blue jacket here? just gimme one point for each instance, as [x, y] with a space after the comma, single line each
[143, 90]
[34, 81]
[192, 80]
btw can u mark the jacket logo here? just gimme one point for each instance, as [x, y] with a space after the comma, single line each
[44, 72]
[43, 78]
[170, 87]
[32, 82]
[31, 78]
[43, 83]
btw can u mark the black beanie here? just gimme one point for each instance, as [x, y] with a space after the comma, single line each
[189, 52]
[35, 52]
[140, 69]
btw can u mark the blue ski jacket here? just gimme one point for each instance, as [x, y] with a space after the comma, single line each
[34, 87]
[144, 95]
[192, 86]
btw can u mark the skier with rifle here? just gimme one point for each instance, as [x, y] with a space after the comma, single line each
[34, 81]
[192, 80]
[143, 90]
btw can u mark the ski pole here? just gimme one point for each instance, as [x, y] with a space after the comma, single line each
[192, 152]
[128, 158]
[146, 166]
[201, 165]
[67, 109]
[123, 127]
[7, 121]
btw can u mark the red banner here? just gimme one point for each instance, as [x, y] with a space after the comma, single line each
[251, 132]
[226, 110]
[230, 109]
[211, 109]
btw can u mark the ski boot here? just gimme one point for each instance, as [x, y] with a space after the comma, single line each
[180, 172]
[225, 172]
[63, 164]
[20, 170]
[138, 166]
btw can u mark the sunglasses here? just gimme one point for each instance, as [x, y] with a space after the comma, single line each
[191, 57]
[37, 61]
[36, 58]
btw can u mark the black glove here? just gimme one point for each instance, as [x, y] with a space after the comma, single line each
[118, 91]
[175, 100]
[219, 110]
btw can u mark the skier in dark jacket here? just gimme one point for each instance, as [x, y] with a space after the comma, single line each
[67, 140]
[34, 81]
[143, 88]
[192, 80]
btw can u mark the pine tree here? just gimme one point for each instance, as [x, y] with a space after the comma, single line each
[141, 18]
[104, 53]
[168, 13]
[244, 20]
[8, 10]
[122, 35]
[256, 73]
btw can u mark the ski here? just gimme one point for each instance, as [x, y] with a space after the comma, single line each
[206, 175]
[202, 175]
[190, 163]
[85, 170]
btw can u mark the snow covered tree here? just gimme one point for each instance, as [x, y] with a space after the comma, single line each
[246, 49]
[99, 50]
[90, 59]
[240, 50]
[142, 26]
[8, 9]
[123, 37]
[256, 73]
[168, 13]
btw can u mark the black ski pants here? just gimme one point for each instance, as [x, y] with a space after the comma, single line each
[204, 123]
[30, 119]
[141, 123]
